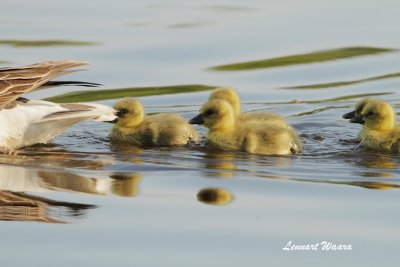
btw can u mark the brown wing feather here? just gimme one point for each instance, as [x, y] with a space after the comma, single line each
[15, 82]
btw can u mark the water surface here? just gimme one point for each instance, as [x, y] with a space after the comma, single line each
[82, 200]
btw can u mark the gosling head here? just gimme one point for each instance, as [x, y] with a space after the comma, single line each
[229, 95]
[377, 115]
[130, 112]
[358, 108]
[215, 114]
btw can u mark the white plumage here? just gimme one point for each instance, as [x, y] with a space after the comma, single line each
[26, 122]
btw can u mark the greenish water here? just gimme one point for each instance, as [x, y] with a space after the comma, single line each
[313, 57]
[95, 95]
[43, 43]
[84, 201]
[344, 83]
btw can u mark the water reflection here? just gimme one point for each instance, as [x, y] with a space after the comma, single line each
[219, 164]
[51, 156]
[227, 164]
[304, 58]
[378, 165]
[376, 185]
[16, 206]
[19, 206]
[215, 196]
[27, 179]
[129, 152]
[345, 83]
[125, 185]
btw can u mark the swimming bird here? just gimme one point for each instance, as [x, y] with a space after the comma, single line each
[227, 133]
[230, 95]
[25, 122]
[380, 131]
[163, 129]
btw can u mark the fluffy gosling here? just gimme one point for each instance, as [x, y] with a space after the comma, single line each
[163, 129]
[230, 95]
[227, 133]
[380, 131]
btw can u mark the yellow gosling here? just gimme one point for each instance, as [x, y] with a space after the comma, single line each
[230, 95]
[229, 134]
[380, 131]
[164, 129]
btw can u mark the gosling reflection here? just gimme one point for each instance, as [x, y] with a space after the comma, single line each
[215, 196]
[379, 162]
[227, 164]
[381, 165]
[220, 164]
[376, 185]
[131, 153]
[24, 207]
[125, 185]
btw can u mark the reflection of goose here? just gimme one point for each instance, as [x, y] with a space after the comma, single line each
[23, 179]
[61, 159]
[24, 207]
[227, 133]
[26, 122]
[380, 131]
[214, 196]
[163, 129]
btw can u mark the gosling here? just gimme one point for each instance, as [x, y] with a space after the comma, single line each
[380, 131]
[253, 137]
[164, 129]
[230, 95]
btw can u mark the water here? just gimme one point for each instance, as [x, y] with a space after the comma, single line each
[84, 201]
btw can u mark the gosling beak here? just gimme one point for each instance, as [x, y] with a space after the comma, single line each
[118, 114]
[197, 120]
[349, 115]
[113, 121]
[358, 119]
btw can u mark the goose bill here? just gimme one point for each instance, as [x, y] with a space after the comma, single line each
[197, 120]
[349, 115]
[358, 119]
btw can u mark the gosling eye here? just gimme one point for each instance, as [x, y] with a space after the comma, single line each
[209, 112]
[370, 113]
[122, 112]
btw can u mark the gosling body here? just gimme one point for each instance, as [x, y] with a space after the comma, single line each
[164, 129]
[227, 133]
[230, 95]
